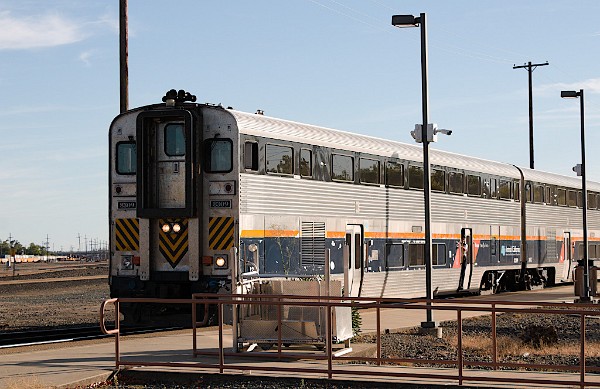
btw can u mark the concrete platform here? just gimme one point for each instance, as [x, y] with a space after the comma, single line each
[81, 363]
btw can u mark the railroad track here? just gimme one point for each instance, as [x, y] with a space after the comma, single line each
[61, 335]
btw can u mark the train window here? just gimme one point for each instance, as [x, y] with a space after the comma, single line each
[579, 199]
[561, 196]
[456, 182]
[174, 140]
[438, 180]
[572, 198]
[438, 254]
[394, 174]
[126, 158]
[218, 155]
[306, 163]
[358, 251]
[279, 159]
[473, 185]
[342, 168]
[504, 189]
[493, 188]
[592, 251]
[369, 171]
[415, 177]
[416, 254]
[528, 196]
[549, 197]
[251, 156]
[538, 194]
[394, 256]
[591, 203]
[517, 191]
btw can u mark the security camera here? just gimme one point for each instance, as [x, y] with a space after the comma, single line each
[442, 131]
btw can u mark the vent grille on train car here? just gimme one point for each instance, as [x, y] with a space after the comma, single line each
[551, 253]
[312, 244]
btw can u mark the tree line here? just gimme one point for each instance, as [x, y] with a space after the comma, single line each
[32, 249]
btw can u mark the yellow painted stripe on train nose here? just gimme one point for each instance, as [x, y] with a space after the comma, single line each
[173, 245]
[220, 233]
[127, 235]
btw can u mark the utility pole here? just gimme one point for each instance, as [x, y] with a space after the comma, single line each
[47, 246]
[79, 242]
[123, 55]
[530, 68]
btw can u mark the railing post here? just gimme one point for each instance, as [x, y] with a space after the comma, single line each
[194, 321]
[328, 342]
[279, 327]
[221, 353]
[460, 358]
[378, 332]
[494, 339]
[582, 353]
[117, 334]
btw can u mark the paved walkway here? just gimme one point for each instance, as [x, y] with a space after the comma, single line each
[79, 364]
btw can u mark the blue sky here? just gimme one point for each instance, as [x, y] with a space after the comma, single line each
[335, 63]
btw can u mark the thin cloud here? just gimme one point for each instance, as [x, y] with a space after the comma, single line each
[85, 57]
[38, 31]
[591, 85]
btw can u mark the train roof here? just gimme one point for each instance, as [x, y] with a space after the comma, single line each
[270, 127]
[260, 125]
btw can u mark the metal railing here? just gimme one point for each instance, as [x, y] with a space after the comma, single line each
[337, 365]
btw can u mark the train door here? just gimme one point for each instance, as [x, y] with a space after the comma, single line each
[354, 266]
[466, 258]
[568, 257]
[166, 188]
[494, 254]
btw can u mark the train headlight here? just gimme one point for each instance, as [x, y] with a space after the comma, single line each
[166, 228]
[220, 261]
[176, 227]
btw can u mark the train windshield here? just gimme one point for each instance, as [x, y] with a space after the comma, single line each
[218, 155]
[126, 158]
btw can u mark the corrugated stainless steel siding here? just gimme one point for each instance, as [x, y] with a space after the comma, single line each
[265, 194]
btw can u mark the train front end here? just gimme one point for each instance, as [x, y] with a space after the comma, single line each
[165, 240]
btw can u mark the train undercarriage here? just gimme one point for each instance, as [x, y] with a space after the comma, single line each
[498, 281]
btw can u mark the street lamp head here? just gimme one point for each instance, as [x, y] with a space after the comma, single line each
[569, 94]
[405, 21]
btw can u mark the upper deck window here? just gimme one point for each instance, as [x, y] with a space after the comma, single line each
[342, 168]
[505, 189]
[415, 177]
[126, 157]
[280, 159]
[369, 171]
[473, 185]
[438, 180]
[306, 163]
[174, 140]
[218, 155]
[394, 174]
[456, 182]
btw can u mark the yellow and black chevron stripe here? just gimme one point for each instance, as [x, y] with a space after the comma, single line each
[220, 233]
[127, 235]
[173, 245]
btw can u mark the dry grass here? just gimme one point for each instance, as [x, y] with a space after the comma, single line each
[513, 346]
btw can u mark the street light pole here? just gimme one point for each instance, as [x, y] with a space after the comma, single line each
[411, 21]
[586, 262]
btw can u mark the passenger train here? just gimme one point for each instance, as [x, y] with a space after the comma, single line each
[198, 191]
